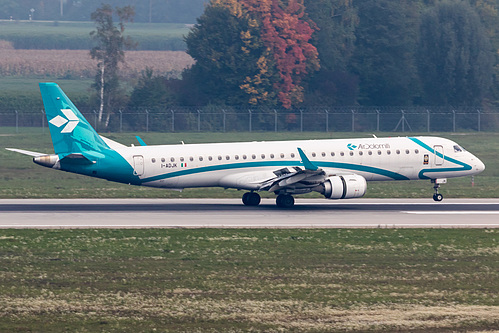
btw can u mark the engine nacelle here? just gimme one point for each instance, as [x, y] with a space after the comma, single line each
[345, 187]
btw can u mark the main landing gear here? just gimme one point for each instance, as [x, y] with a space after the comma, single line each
[282, 200]
[251, 199]
[437, 196]
[285, 201]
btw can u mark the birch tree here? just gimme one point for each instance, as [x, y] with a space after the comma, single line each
[109, 53]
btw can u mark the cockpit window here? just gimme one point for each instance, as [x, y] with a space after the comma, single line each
[458, 149]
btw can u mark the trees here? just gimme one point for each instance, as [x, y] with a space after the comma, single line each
[455, 58]
[335, 36]
[335, 42]
[252, 52]
[384, 54]
[109, 52]
[286, 32]
[232, 64]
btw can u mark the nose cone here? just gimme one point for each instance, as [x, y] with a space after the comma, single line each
[478, 165]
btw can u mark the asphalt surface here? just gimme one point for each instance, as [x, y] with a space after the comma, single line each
[231, 213]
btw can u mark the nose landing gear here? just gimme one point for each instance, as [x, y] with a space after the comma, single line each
[437, 196]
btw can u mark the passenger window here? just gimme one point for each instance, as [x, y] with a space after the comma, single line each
[163, 160]
[236, 157]
[172, 159]
[153, 160]
[282, 155]
[200, 158]
[314, 154]
[323, 154]
[219, 158]
[351, 153]
[263, 156]
[361, 153]
[245, 157]
[388, 152]
[379, 152]
[210, 158]
[181, 159]
[227, 157]
[332, 154]
[253, 156]
[370, 152]
[407, 151]
[271, 155]
[416, 151]
[191, 158]
[342, 154]
[398, 152]
[292, 155]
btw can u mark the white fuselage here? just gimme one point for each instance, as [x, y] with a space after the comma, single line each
[245, 165]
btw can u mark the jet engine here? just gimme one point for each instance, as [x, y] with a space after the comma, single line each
[344, 187]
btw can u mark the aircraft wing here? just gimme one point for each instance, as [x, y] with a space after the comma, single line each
[304, 175]
[295, 177]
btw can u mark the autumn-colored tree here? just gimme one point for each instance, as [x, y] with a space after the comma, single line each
[232, 66]
[260, 48]
[287, 33]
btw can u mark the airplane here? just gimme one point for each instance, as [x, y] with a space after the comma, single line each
[335, 168]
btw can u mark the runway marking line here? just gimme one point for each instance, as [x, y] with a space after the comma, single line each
[452, 212]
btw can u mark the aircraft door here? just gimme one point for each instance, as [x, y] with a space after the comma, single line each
[439, 155]
[138, 165]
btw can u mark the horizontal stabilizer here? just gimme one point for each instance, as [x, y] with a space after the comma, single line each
[26, 152]
[111, 143]
[76, 158]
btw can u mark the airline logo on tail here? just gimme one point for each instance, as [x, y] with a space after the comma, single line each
[70, 121]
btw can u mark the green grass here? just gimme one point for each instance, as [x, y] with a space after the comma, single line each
[209, 280]
[17, 93]
[21, 178]
[76, 35]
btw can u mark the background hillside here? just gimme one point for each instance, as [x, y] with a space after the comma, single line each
[170, 11]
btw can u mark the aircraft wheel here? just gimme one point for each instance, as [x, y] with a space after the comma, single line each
[251, 199]
[245, 198]
[285, 201]
[438, 197]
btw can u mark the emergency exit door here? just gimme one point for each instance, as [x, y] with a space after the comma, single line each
[138, 165]
[439, 155]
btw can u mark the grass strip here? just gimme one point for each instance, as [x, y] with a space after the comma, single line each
[210, 280]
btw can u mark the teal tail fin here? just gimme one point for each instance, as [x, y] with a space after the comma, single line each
[70, 131]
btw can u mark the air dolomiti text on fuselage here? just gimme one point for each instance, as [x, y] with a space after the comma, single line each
[338, 169]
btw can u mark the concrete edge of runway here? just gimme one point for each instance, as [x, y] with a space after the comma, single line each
[231, 214]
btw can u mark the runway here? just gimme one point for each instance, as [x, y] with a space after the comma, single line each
[230, 213]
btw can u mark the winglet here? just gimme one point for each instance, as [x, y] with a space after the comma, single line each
[141, 142]
[306, 162]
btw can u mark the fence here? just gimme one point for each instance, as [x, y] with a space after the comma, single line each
[353, 119]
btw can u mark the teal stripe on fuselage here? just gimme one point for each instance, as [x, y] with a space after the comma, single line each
[109, 165]
[363, 168]
[336, 165]
[464, 166]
